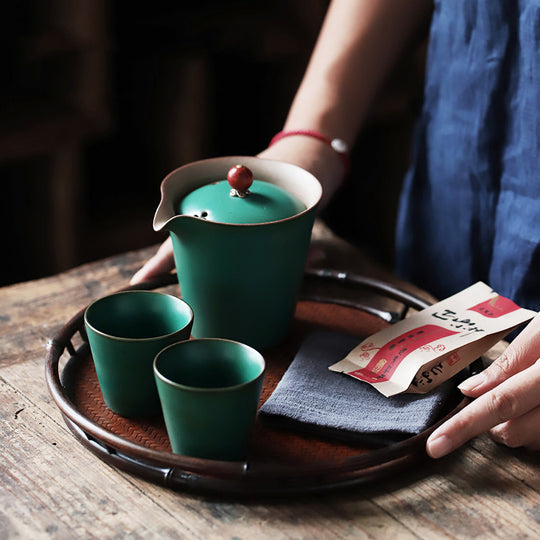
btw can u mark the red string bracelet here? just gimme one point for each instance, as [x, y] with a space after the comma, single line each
[338, 145]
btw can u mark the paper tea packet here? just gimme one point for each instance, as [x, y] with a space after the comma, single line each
[420, 352]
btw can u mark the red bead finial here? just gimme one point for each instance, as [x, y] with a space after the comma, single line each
[240, 179]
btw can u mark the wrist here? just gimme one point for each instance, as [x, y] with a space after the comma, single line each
[338, 146]
[312, 155]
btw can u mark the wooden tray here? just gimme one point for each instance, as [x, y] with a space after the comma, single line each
[279, 463]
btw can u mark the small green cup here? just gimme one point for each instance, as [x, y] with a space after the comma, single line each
[125, 331]
[209, 391]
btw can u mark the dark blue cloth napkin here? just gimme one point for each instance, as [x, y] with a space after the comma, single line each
[310, 398]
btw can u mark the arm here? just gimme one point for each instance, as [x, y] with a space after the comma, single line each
[359, 42]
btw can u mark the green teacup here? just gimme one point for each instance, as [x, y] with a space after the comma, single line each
[209, 391]
[126, 330]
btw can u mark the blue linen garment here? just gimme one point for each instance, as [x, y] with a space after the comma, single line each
[470, 206]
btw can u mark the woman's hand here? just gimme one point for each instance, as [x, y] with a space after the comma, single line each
[507, 403]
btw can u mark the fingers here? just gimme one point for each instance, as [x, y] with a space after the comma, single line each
[519, 355]
[161, 263]
[515, 398]
[521, 431]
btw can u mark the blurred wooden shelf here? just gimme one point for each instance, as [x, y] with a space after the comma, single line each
[53, 100]
[33, 126]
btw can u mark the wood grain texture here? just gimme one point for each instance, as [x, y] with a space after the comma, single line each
[51, 487]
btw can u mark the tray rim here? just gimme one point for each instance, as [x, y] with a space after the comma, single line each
[241, 477]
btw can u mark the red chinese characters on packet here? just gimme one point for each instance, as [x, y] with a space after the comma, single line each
[495, 307]
[427, 348]
[386, 360]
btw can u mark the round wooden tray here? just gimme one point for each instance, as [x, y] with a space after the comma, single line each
[279, 462]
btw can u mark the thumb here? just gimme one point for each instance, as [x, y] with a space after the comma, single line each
[161, 263]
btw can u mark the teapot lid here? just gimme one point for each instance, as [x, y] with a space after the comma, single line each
[240, 200]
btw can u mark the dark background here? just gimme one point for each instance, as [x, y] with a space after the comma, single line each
[103, 98]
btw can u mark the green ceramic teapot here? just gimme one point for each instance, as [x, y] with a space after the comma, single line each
[239, 253]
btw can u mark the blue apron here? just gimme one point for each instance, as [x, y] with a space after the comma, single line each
[470, 207]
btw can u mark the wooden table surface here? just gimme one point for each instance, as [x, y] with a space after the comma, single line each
[52, 487]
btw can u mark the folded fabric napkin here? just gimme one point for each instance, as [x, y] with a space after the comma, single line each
[310, 398]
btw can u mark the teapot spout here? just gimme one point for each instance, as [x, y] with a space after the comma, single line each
[176, 186]
[164, 215]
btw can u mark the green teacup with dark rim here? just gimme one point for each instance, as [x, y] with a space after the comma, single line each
[126, 330]
[209, 391]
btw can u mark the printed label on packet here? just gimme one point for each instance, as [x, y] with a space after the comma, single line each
[422, 351]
